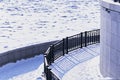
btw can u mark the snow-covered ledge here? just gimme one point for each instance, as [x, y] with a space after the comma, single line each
[110, 39]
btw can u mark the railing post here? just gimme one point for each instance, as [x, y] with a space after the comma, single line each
[115, 0]
[48, 75]
[90, 37]
[66, 45]
[85, 38]
[44, 64]
[51, 54]
[63, 47]
[98, 36]
[81, 41]
[93, 37]
[77, 41]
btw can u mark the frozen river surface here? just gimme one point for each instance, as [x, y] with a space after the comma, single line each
[27, 22]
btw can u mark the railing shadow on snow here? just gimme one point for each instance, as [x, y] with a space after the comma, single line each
[66, 45]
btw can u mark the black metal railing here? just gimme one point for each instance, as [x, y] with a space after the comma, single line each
[66, 45]
[116, 1]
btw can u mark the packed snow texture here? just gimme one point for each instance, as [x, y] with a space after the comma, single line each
[88, 70]
[30, 69]
[28, 22]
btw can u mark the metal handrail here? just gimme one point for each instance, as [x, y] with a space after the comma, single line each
[66, 45]
[116, 1]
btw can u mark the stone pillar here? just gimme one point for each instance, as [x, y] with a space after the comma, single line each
[110, 39]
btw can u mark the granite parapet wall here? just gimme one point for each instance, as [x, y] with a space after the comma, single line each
[24, 52]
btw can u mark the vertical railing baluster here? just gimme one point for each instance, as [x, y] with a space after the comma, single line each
[49, 76]
[96, 36]
[115, 0]
[99, 36]
[51, 54]
[81, 43]
[66, 45]
[92, 37]
[85, 38]
[44, 65]
[77, 41]
[63, 47]
[89, 37]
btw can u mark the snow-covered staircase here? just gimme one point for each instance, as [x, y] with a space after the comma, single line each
[65, 63]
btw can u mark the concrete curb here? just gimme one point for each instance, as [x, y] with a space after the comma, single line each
[24, 52]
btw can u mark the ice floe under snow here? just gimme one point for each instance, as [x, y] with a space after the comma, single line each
[28, 22]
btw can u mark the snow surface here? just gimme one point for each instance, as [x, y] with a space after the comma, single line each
[30, 69]
[88, 70]
[28, 22]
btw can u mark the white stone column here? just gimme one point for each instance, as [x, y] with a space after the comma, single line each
[110, 39]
